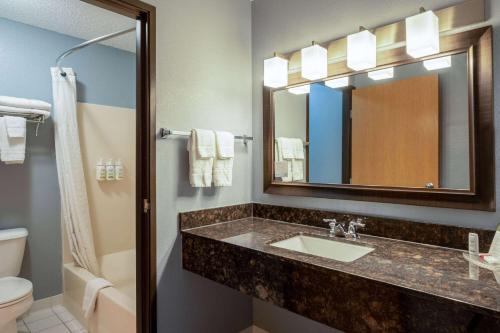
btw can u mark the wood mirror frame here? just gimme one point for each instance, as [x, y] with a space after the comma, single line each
[480, 196]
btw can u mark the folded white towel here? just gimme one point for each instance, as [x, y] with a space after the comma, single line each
[12, 150]
[14, 110]
[224, 143]
[24, 103]
[205, 143]
[92, 290]
[285, 177]
[200, 169]
[291, 150]
[223, 172]
[16, 126]
[297, 170]
[298, 159]
[286, 147]
[223, 163]
[298, 148]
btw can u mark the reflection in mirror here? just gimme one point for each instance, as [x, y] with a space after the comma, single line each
[406, 126]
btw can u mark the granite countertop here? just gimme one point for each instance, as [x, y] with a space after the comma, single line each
[424, 269]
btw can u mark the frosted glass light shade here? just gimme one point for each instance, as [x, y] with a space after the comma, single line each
[361, 50]
[338, 83]
[314, 62]
[275, 72]
[437, 63]
[382, 74]
[422, 34]
[305, 89]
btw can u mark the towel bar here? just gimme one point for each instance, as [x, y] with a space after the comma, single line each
[165, 133]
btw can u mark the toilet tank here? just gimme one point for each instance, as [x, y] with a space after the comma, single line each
[12, 244]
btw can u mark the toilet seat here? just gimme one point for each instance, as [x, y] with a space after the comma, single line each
[13, 290]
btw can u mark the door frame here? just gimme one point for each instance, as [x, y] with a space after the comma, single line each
[145, 16]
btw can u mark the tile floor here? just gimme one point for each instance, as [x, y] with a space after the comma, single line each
[50, 320]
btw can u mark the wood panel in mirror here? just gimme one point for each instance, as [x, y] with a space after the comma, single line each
[411, 131]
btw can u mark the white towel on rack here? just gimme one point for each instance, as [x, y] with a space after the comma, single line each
[205, 143]
[280, 159]
[298, 159]
[291, 151]
[298, 148]
[287, 148]
[223, 163]
[201, 164]
[12, 150]
[24, 103]
[16, 126]
[13, 110]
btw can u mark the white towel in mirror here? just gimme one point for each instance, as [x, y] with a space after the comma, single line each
[291, 151]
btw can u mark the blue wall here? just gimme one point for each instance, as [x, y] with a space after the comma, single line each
[29, 193]
[325, 141]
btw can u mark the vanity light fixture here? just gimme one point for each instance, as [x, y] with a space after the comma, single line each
[361, 50]
[314, 62]
[276, 72]
[382, 74]
[300, 90]
[338, 83]
[422, 34]
[437, 63]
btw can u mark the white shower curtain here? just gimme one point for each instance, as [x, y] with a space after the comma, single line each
[74, 201]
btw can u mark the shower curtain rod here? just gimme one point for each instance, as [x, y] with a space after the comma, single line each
[87, 43]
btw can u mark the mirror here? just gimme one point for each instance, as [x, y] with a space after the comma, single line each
[406, 126]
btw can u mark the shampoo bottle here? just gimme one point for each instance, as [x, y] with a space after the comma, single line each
[119, 173]
[100, 170]
[110, 170]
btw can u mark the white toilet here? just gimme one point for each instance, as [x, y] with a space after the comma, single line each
[16, 294]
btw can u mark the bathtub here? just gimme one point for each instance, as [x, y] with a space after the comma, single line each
[115, 311]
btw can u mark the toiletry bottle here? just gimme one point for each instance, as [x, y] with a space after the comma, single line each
[110, 170]
[119, 172]
[474, 245]
[473, 254]
[100, 170]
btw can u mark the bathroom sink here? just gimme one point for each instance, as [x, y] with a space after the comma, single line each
[326, 248]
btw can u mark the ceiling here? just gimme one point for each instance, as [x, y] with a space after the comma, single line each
[71, 17]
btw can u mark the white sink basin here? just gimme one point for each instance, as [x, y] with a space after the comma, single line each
[330, 249]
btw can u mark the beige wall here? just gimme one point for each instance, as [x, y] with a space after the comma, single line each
[108, 132]
[290, 115]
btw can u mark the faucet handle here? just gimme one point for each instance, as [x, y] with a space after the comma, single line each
[358, 223]
[331, 222]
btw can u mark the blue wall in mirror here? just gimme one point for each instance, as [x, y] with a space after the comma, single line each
[325, 134]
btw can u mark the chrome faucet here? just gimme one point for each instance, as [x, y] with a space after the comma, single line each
[338, 229]
[353, 228]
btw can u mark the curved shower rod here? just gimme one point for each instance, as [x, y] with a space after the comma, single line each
[87, 43]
